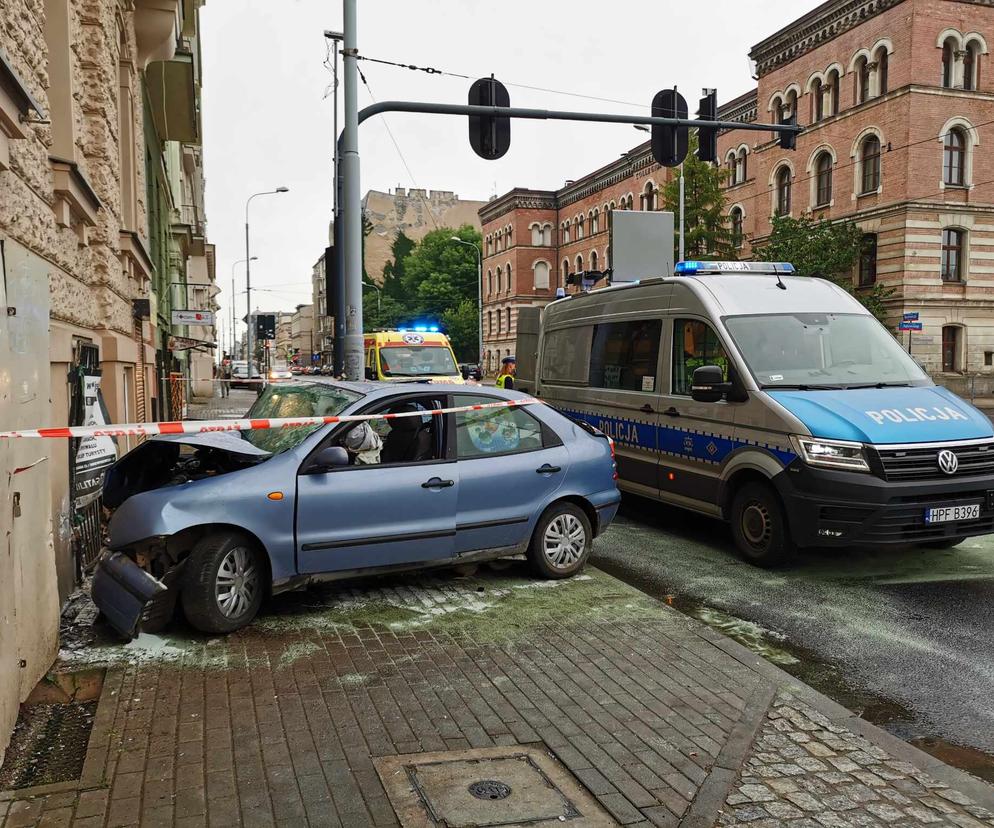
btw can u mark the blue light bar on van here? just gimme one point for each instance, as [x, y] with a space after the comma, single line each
[693, 267]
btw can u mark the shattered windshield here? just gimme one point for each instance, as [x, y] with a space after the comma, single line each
[278, 401]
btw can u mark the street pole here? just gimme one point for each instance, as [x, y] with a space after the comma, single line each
[479, 292]
[352, 200]
[248, 279]
[234, 296]
[681, 213]
[378, 292]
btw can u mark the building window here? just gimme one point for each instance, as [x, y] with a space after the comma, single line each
[536, 236]
[736, 222]
[971, 56]
[835, 83]
[948, 63]
[490, 282]
[740, 166]
[593, 260]
[595, 223]
[862, 80]
[579, 264]
[883, 68]
[547, 235]
[868, 260]
[490, 322]
[870, 165]
[510, 282]
[565, 272]
[508, 312]
[579, 228]
[952, 255]
[499, 317]
[954, 158]
[950, 349]
[823, 173]
[541, 272]
[783, 191]
[817, 101]
[500, 280]
[629, 202]
[647, 201]
[566, 233]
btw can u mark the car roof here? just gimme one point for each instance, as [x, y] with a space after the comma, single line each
[385, 389]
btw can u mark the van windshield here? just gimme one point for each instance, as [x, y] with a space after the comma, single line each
[417, 361]
[822, 350]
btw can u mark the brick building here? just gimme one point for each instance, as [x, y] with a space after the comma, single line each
[532, 239]
[897, 97]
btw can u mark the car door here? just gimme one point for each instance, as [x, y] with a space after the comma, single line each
[397, 512]
[694, 437]
[510, 465]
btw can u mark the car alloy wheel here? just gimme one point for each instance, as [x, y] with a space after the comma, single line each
[237, 582]
[565, 540]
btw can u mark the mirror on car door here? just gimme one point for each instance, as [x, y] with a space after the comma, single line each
[328, 458]
[708, 384]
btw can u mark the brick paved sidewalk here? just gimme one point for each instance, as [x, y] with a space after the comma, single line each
[238, 401]
[294, 721]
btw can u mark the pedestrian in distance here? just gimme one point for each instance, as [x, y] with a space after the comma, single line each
[505, 379]
[225, 378]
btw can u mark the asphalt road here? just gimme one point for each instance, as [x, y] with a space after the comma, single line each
[903, 637]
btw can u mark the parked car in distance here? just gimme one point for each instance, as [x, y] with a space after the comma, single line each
[471, 371]
[215, 522]
[240, 374]
[283, 373]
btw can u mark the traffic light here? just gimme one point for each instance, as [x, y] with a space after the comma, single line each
[669, 143]
[265, 326]
[707, 137]
[489, 136]
[788, 140]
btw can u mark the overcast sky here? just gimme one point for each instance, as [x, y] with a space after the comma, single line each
[267, 122]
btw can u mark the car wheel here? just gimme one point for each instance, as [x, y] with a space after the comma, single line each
[759, 526]
[225, 583]
[562, 541]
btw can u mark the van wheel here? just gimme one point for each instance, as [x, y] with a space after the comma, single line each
[562, 541]
[225, 583]
[759, 526]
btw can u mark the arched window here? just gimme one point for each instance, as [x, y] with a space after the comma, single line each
[593, 260]
[647, 201]
[579, 228]
[579, 264]
[536, 235]
[508, 312]
[510, 284]
[500, 280]
[730, 166]
[862, 80]
[547, 235]
[783, 191]
[490, 321]
[595, 222]
[741, 168]
[791, 108]
[490, 281]
[565, 271]
[869, 156]
[835, 83]
[779, 110]
[817, 101]
[736, 219]
[868, 260]
[952, 255]
[541, 272]
[950, 348]
[883, 60]
[629, 205]
[566, 233]
[949, 63]
[971, 57]
[823, 180]
[954, 157]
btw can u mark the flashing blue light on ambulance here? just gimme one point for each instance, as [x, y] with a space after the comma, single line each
[433, 329]
[421, 328]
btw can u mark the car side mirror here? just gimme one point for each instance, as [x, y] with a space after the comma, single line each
[330, 457]
[708, 384]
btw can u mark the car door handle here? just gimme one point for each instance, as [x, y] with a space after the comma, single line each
[671, 412]
[646, 409]
[547, 469]
[437, 483]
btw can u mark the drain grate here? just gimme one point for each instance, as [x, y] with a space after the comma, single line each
[490, 789]
[48, 744]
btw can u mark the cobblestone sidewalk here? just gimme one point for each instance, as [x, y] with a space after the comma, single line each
[217, 407]
[662, 720]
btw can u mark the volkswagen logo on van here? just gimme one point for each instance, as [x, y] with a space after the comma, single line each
[948, 462]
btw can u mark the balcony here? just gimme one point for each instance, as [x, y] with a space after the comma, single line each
[173, 99]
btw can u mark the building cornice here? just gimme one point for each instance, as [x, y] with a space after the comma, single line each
[818, 26]
[517, 199]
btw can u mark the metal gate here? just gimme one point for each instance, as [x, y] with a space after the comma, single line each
[87, 535]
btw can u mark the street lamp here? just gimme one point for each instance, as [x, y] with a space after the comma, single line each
[479, 291]
[231, 345]
[378, 294]
[248, 276]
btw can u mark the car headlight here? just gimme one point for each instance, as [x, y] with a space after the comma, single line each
[831, 454]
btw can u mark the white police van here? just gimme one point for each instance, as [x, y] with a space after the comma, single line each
[776, 402]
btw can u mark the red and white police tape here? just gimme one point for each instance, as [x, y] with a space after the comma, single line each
[202, 426]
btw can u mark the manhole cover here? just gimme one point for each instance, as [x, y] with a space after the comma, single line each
[486, 788]
[490, 789]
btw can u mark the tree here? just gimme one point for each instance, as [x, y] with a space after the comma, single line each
[393, 271]
[462, 326]
[825, 249]
[707, 234]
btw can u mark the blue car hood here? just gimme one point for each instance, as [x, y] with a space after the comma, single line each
[924, 414]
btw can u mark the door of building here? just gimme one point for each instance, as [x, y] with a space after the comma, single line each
[950, 348]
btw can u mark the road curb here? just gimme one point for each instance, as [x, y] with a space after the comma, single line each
[977, 789]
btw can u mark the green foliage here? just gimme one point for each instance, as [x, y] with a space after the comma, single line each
[461, 325]
[393, 271]
[825, 249]
[707, 234]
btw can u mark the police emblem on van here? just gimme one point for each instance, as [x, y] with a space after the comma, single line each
[948, 462]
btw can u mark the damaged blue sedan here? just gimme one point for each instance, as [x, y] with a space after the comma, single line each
[213, 523]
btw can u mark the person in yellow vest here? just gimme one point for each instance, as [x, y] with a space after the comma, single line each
[505, 379]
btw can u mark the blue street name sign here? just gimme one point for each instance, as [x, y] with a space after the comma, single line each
[911, 316]
[910, 326]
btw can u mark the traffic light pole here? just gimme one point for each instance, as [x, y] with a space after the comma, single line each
[351, 202]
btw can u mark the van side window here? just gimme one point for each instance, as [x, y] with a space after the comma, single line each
[694, 344]
[624, 355]
[494, 431]
[564, 355]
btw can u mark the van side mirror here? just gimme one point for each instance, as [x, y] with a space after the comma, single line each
[328, 458]
[708, 384]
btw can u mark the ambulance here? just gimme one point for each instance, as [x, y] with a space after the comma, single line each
[776, 402]
[421, 353]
